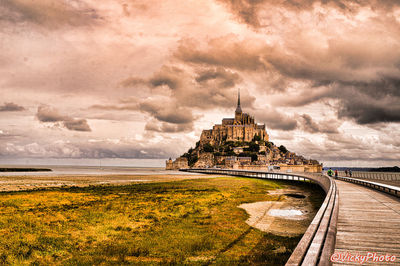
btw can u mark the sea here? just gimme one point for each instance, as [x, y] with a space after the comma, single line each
[104, 166]
[59, 170]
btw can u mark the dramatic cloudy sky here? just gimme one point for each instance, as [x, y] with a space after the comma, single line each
[142, 78]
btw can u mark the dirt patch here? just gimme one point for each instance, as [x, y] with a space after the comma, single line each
[288, 217]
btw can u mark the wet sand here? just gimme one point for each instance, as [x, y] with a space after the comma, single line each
[288, 217]
[20, 183]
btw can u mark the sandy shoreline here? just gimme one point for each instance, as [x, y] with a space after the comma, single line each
[21, 183]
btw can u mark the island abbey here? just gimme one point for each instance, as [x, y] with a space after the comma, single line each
[241, 128]
[241, 143]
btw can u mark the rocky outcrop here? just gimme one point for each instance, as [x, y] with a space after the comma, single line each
[205, 160]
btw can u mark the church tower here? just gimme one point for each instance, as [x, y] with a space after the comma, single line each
[238, 111]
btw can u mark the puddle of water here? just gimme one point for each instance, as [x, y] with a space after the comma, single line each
[285, 213]
[297, 196]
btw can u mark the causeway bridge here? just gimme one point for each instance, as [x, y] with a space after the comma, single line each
[358, 222]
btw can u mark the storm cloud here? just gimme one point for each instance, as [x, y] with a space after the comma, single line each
[248, 11]
[309, 125]
[77, 125]
[48, 114]
[11, 107]
[275, 119]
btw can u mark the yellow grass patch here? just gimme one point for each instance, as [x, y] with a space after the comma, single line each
[190, 221]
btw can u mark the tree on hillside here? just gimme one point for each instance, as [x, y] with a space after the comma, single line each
[254, 147]
[283, 149]
[230, 153]
[208, 148]
[192, 158]
[252, 155]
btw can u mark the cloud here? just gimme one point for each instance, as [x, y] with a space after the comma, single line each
[112, 107]
[203, 87]
[133, 81]
[245, 10]
[167, 76]
[7, 135]
[48, 114]
[166, 112]
[162, 127]
[93, 148]
[358, 69]
[228, 51]
[48, 13]
[309, 125]
[251, 12]
[274, 119]
[221, 77]
[77, 125]
[11, 107]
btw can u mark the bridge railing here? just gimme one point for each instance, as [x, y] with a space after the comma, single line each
[393, 190]
[389, 176]
[318, 242]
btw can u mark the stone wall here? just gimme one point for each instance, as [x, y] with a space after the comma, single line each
[253, 167]
[307, 168]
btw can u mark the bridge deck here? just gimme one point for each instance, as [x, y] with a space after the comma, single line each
[386, 182]
[369, 221]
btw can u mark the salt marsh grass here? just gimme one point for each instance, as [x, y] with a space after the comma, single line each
[183, 222]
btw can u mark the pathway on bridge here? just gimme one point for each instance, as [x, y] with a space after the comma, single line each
[369, 221]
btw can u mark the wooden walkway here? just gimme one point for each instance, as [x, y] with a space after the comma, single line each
[368, 221]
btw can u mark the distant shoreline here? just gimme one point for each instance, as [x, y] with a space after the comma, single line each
[20, 169]
[385, 169]
[366, 169]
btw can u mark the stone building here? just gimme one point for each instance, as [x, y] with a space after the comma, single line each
[179, 163]
[230, 161]
[240, 128]
[244, 160]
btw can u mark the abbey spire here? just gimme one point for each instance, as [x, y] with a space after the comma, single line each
[238, 108]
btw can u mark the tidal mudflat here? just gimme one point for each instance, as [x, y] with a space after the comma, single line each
[193, 221]
[289, 216]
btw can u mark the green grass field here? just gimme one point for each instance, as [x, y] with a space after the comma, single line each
[184, 222]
